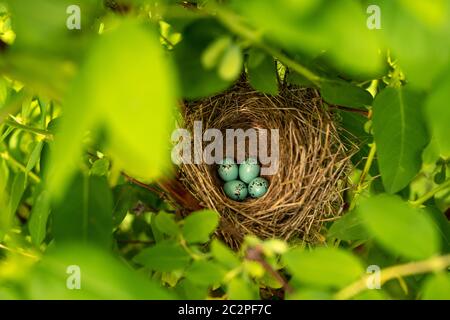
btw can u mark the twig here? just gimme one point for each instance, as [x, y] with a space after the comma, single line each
[431, 265]
[41, 132]
[7, 157]
[418, 202]
[368, 165]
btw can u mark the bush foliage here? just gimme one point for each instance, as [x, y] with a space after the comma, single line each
[86, 116]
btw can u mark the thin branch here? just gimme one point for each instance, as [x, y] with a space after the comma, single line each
[41, 132]
[421, 200]
[368, 165]
[7, 157]
[431, 265]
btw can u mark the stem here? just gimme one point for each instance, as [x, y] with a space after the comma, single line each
[412, 268]
[25, 254]
[368, 165]
[364, 173]
[430, 194]
[37, 131]
[7, 157]
[234, 24]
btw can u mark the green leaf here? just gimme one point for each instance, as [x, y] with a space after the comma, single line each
[212, 54]
[191, 291]
[400, 135]
[17, 190]
[240, 289]
[438, 115]
[442, 225]
[204, 272]
[398, 227]
[345, 94]
[164, 257]
[262, 73]
[326, 267]
[165, 222]
[100, 167]
[124, 198]
[35, 156]
[231, 65]
[102, 276]
[198, 226]
[84, 213]
[437, 287]
[136, 114]
[224, 255]
[196, 80]
[348, 228]
[39, 216]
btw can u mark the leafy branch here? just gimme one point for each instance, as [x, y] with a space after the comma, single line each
[431, 265]
[40, 132]
[234, 23]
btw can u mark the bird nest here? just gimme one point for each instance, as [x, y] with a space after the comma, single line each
[308, 186]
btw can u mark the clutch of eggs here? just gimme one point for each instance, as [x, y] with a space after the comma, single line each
[242, 180]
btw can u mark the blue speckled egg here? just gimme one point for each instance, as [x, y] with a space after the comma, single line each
[249, 170]
[228, 170]
[258, 187]
[235, 190]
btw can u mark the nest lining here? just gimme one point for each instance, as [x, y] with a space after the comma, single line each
[307, 188]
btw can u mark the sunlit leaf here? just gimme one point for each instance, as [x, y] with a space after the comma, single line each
[198, 226]
[400, 135]
[327, 267]
[398, 227]
[127, 87]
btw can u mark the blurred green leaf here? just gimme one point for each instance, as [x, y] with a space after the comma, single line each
[223, 254]
[204, 272]
[398, 227]
[102, 276]
[345, 94]
[348, 228]
[164, 256]
[198, 226]
[400, 135]
[165, 222]
[41, 32]
[316, 26]
[35, 156]
[438, 115]
[437, 287]
[262, 72]
[326, 266]
[231, 65]
[196, 80]
[100, 167]
[240, 289]
[418, 38]
[17, 190]
[39, 216]
[84, 213]
[212, 54]
[131, 110]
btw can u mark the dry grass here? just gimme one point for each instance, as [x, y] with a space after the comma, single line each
[307, 188]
